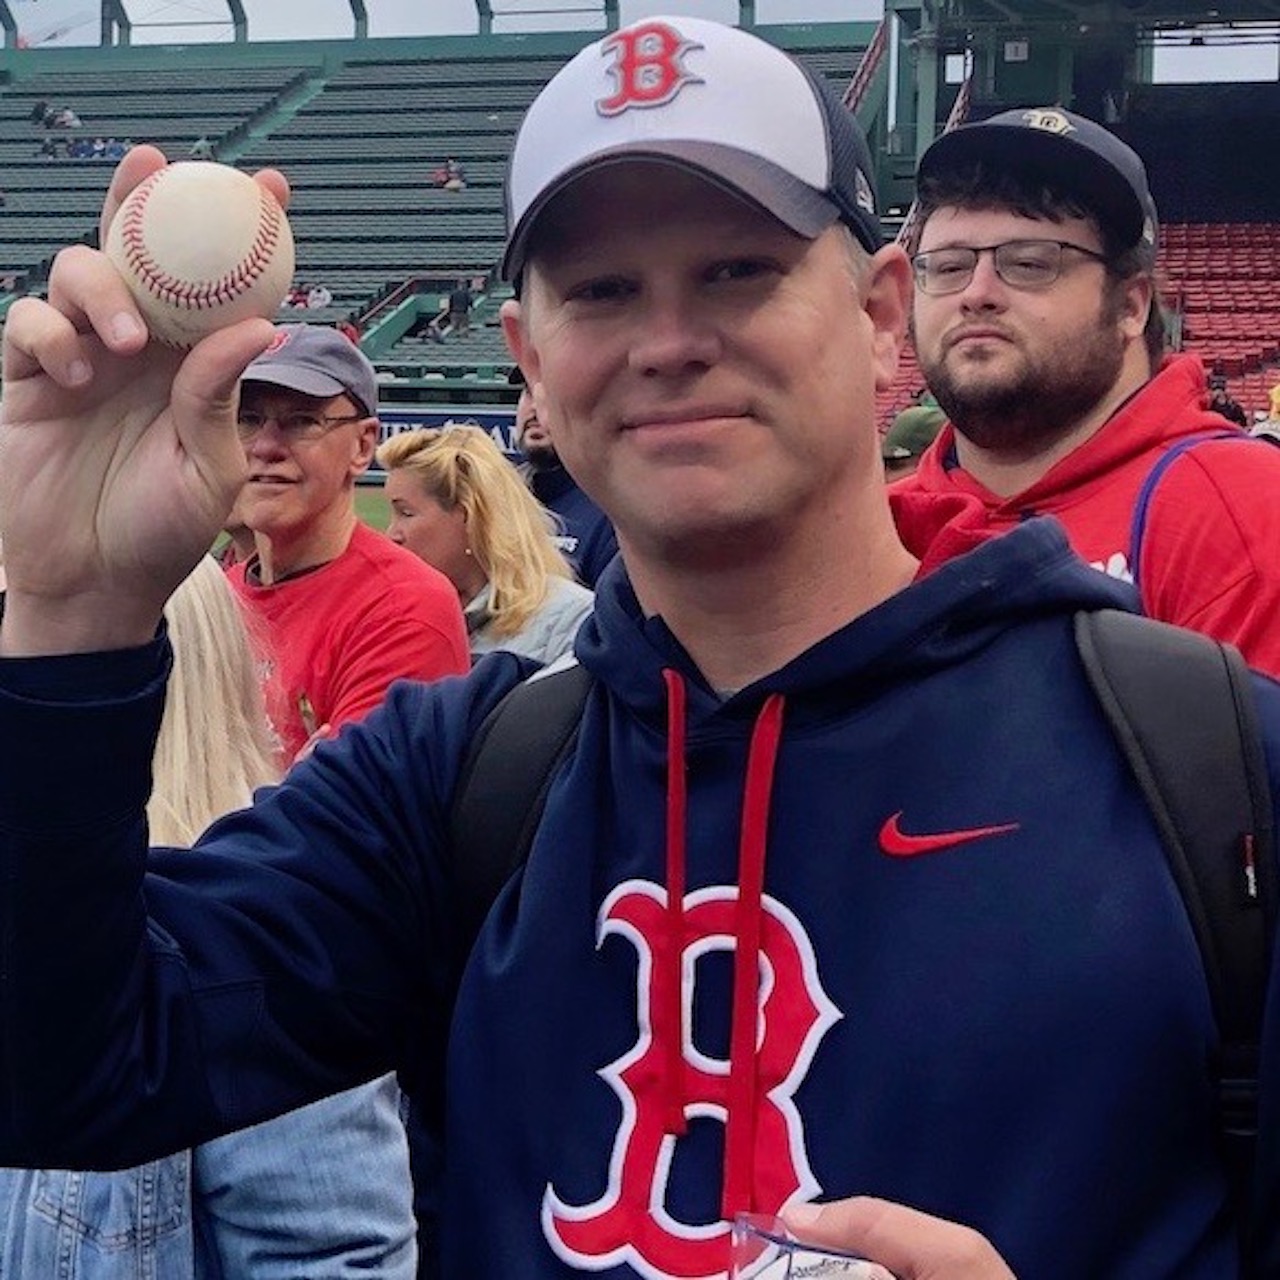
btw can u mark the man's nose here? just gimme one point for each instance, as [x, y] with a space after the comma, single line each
[985, 287]
[676, 334]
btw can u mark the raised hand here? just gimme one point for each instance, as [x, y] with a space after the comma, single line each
[119, 458]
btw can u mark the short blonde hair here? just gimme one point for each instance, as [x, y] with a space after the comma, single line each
[215, 746]
[509, 531]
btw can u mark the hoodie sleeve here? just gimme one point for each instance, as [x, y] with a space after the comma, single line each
[303, 946]
[1211, 547]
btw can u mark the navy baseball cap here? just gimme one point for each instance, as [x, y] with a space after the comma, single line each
[1071, 152]
[711, 99]
[317, 361]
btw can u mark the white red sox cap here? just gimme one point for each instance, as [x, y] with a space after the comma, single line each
[708, 98]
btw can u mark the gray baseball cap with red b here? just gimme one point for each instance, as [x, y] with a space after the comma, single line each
[317, 361]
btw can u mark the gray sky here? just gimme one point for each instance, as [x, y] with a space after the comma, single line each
[61, 22]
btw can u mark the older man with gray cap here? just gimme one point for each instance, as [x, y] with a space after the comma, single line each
[1038, 329]
[746, 963]
[342, 611]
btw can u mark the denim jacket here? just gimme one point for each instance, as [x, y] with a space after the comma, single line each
[322, 1192]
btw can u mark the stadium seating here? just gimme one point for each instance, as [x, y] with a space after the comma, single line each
[1220, 279]
[53, 202]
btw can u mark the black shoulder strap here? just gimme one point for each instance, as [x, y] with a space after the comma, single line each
[503, 786]
[1182, 709]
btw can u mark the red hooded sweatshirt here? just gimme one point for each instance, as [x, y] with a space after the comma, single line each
[1210, 540]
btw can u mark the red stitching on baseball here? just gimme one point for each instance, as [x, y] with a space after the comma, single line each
[197, 295]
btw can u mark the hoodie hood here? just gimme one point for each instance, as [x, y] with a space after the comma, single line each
[972, 587]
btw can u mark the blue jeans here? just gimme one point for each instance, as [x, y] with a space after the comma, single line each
[322, 1192]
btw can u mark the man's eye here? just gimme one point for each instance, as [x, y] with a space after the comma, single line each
[605, 289]
[1032, 262]
[740, 269]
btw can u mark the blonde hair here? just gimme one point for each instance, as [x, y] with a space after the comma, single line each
[508, 529]
[214, 746]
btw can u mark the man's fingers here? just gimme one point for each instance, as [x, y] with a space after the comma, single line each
[43, 338]
[913, 1245]
[88, 290]
[276, 183]
[138, 164]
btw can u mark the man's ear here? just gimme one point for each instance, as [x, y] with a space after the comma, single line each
[1139, 294]
[366, 446]
[888, 304]
[515, 331]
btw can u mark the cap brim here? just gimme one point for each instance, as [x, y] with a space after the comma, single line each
[750, 178]
[1052, 158]
[310, 382]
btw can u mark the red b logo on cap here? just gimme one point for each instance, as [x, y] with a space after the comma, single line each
[647, 67]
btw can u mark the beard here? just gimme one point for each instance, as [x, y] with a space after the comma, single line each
[1028, 408]
[540, 457]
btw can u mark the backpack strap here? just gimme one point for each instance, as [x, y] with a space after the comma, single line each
[497, 804]
[503, 787]
[1142, 504]
[1182, 710]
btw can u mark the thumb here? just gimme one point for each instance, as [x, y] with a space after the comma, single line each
[207, 384]
[206, 390]
[913, 1245]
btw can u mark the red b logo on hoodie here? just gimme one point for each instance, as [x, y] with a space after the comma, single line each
[647, 67]
[629, 1222]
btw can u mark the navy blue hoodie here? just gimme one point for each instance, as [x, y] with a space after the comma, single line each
[893, 920]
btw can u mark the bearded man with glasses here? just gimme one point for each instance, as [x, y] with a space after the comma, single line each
[1038, 329]
[343, 610]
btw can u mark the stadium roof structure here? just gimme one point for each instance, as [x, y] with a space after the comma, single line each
[1151, 14]
[117, 25]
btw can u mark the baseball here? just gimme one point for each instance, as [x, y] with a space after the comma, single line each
[201, 246]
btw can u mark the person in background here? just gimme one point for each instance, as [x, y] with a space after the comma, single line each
[1037, 327]
[911, 432]
[323, 1190]
[459, 504]
[460, 302]
[1221, 402]
[344, 611]
[584, 532]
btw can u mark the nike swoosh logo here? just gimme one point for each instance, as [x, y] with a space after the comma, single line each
[897, 844]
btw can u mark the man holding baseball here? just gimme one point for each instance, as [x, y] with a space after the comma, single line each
[748, 963]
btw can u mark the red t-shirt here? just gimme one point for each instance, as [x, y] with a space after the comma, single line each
[1211, 541]
[335, 637]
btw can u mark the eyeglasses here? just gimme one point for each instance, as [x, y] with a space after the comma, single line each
[1021, 264]
[292, 426]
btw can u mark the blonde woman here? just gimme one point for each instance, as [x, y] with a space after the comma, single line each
[461, 506]
[325, 1190]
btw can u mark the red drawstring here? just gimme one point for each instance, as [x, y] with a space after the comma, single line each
[753, 841]
[740, 1126]
[669, 998]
